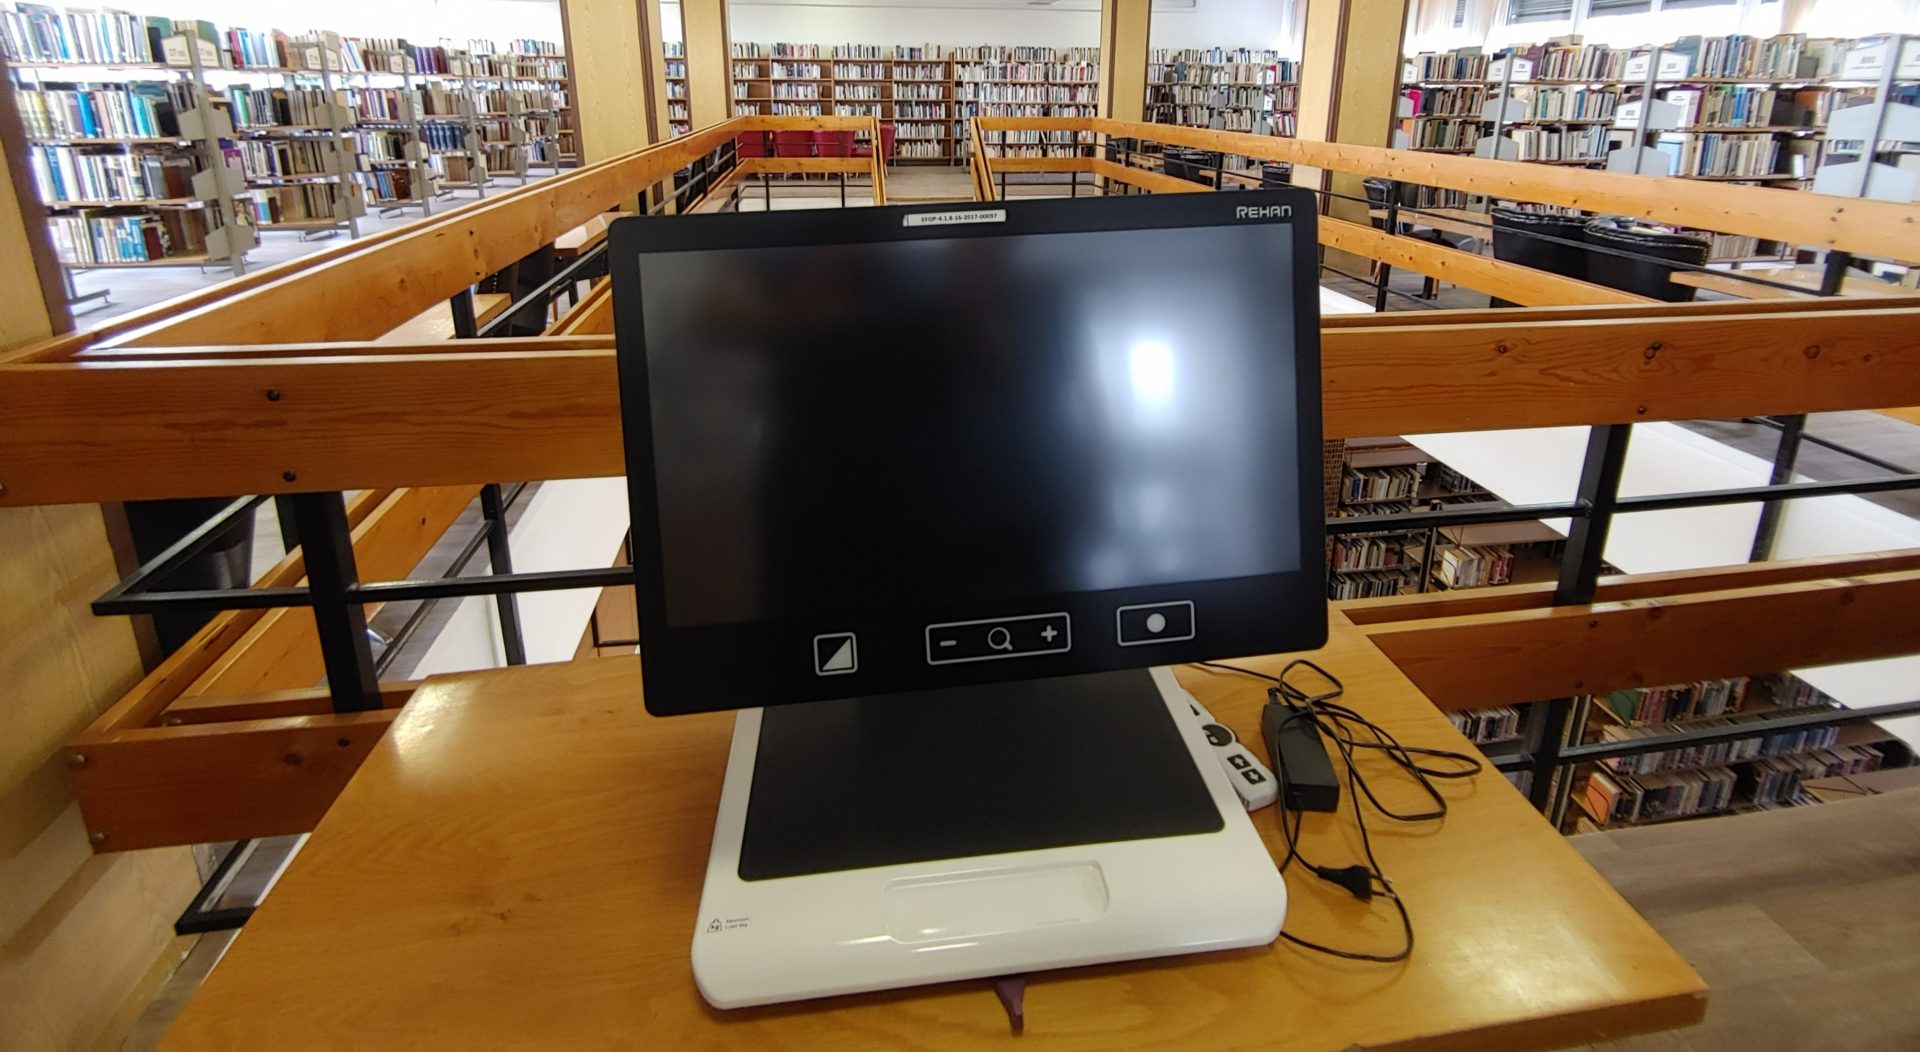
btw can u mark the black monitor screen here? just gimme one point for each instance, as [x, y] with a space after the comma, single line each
[903, 443]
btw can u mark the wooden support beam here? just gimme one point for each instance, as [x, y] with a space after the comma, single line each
[200, 783]
[1526, 655]
[591, 318]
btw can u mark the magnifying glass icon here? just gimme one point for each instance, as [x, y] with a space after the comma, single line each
[998, 638]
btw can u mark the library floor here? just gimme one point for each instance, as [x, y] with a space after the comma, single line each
[1804, 922]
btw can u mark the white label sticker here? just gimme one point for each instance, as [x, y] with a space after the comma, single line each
[985, 215]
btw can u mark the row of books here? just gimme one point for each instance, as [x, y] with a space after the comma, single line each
[291, 204]
[1366, 485]
[1025, 93]
[1715, 754]
[1589, 143]
[1217, 56]
[848, 91]
[271, 107]
[282, 158]
[92, 238]
[67, 173]
[1721, 155]
[1444, 135]
[920, 110]
[1486, 726]
[444, 137]
[41, 33]
[1567, 104]
[517, 100]
[1029, 72]
[1366, 552]
[1444, 102]
[1023, 53]
[1778, 780]
[1677, 701]
[1628, 799]
[797, 91]
[1238, 119]
[858, 71]
[1472, 566]
[1375, 585]
[1786, 57]
[797, 70]
[1016, 109]
[916, 130]
[382, 145]
[1725, 104]
[920, 91]
[1264, 99]
[1270, 74]
[922, 72]
[857, 109]
[137, 110]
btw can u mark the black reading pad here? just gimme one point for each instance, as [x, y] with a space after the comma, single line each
[969, 771]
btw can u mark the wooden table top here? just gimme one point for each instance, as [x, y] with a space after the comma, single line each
[520, 861]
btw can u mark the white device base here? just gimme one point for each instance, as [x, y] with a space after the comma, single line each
[793, 938]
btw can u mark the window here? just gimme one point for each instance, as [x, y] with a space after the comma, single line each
[1539, 10]
[1459, 13]
[1675, 5]
[1599, 8]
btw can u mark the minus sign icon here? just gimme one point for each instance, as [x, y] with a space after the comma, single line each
[948, 642]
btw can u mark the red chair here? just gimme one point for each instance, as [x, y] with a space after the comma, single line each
[833, 144]
[751, 144]
[886, 143]
[793, 144]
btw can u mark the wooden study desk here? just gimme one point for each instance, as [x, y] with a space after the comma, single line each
[520, 860]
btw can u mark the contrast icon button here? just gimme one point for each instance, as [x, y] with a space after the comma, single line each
[835, 654]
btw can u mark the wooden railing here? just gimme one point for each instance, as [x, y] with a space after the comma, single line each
[276, 386]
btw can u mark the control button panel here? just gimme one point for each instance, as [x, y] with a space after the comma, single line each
[1154, 623]
[995, 638]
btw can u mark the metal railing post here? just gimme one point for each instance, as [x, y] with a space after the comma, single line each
[464, 325]
[1785, 456]
[500, 560]
[1383, 271]
[326, 543]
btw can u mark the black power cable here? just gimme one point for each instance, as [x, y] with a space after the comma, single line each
[1345, 728]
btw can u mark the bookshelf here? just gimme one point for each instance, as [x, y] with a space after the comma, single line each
[928, 93]
[679, 117]
[172, 142]
[125, 144]
[1730, 109]
[1391, 476]
[1767, 770]
[1230, 89]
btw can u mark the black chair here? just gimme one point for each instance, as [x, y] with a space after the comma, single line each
[1520, 237]
[1380, 194]
[1645, 274]
[1274, 174]
[1193, 165]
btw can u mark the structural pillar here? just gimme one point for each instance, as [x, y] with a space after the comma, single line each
[619, 75]
[1123, 59]
[1349, 81]
[708, 39]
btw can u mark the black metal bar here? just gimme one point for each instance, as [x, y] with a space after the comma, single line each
[1599, 490]
[1464, 515]
[1834, 277]
[1546, 750]
[195, 542]
[500, 557]
[283, 514]
[1735, 732]
[1426, 558]
[766, 190]
[1369, 281]
[1788, 491]
[464, 327]
[454, 569]
[327, 548]
[493, 584]
[1073, 184]
[591, 264]
[843, 188]
[202, 599]
[1383, 271]
[197, 919]
[1785, 455]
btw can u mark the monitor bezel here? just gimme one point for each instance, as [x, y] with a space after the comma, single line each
[685, 671]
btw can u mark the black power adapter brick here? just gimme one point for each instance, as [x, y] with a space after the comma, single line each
[1299, 758]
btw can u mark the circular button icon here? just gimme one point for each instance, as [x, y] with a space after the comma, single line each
[998, 638]
[1156, 623]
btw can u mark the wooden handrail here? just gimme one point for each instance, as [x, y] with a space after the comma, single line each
[1882, 229]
